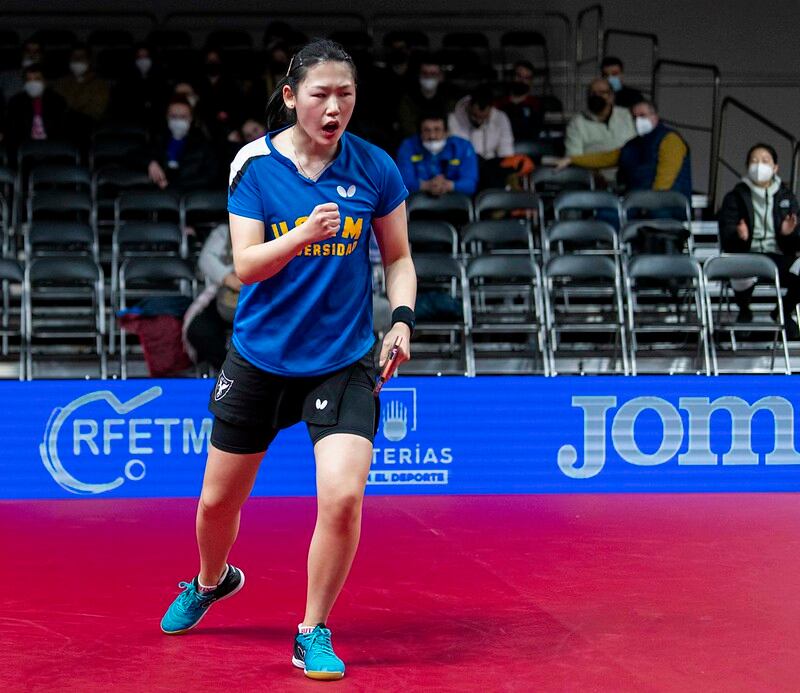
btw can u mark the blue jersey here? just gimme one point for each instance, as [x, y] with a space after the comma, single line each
[315, 315]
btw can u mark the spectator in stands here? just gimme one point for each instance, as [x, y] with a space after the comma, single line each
[182, 159]
[477, 120]
[524, 110]
[187, 91]
[658, 158]
[436, 163]
[625, 97]
[431, 92]
[603, 127]
[86, 94]
[140, 95]
[257, 91]
[250, 131]
[220, 101]
[36, 113]
[209, 320]
[760, 216]
[12, 81]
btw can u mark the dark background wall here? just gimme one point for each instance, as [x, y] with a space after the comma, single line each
[753, 44]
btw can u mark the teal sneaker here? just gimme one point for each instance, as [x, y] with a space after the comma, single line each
[190, 605]
[313, 653]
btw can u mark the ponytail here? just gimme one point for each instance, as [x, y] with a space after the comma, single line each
[310, 55]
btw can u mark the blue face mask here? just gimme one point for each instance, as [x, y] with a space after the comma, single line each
[615, 82]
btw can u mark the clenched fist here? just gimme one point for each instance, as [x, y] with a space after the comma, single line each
[324, 222]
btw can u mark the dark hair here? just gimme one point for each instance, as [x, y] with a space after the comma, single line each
[611, 61]
[647, 102]
[181, 100]
[761, 145]
[80, 46]
[312, 54]
[35, 67]
[432, 114]
[527, 64]
[481, 96]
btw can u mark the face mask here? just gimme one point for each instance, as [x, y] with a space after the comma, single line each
[428, 83]
[179, 127]
[144, 65]
[760, 172]
[615, 82]
[34, 89]
[519, 89]
[596, 103]
[79, 68]
[644, 126]
[434, 146]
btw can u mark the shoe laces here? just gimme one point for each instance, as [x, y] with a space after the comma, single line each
[190, 596]
[320, 639]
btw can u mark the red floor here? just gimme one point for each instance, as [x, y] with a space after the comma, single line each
[516, 593]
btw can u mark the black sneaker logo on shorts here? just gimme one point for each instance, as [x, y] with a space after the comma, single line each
[224, 384]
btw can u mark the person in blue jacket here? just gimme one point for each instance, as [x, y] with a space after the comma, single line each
[303, 202]
[436, 163]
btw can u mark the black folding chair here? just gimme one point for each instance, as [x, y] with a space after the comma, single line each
[141, 277]
[718, 273]
[66, 303]
[13, 323]
[506, 323]
[455, 208]
[432, 237]
[666, 303]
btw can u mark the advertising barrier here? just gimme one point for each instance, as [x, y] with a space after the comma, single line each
[149, 438]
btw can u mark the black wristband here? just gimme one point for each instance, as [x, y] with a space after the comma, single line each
[405, 315]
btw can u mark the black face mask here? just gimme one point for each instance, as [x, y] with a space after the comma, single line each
[596, 104]
[213, 69]
[519, 88]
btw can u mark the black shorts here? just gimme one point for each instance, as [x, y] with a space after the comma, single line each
[250, 405]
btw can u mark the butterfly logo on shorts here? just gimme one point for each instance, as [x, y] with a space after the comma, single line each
[223, 386]
[349, 192]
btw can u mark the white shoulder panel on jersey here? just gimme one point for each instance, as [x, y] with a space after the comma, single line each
[252, 149]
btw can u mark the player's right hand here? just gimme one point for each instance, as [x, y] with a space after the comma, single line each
[323, 223]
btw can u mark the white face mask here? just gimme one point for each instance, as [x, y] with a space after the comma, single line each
[144, 65]
[644, 126]
[434, 146]
[179, 127]
[79, 68]
[428, 83]
[615, 82]
[34, 89]
[759, 172]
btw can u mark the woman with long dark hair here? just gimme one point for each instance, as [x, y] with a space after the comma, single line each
[302, 201]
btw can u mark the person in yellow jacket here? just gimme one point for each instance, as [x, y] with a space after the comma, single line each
[657, 159]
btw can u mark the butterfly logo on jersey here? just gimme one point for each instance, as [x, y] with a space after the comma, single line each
[348, 193]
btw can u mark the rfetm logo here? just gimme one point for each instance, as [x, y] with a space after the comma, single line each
[695, 434]
[94, 439]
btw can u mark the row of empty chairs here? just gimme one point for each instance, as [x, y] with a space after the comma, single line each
[582, 307]
[489, 311]
[56, 305]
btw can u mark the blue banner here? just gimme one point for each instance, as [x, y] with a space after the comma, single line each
[149, 438]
